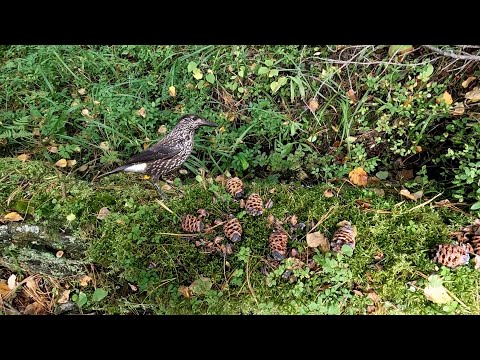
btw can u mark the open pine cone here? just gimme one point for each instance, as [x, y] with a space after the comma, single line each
[345, 235]
[192, 224]
[233, 229]
[452, 255]
[235, 187]
[254, 205]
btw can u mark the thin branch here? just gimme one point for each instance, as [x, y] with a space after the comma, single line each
[451, 54]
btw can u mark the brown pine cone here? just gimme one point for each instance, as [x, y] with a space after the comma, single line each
[452, 255]
[278, 241]
[345, 235]
[235, 187]
[254, 205]
[233, 229]
[191, 224]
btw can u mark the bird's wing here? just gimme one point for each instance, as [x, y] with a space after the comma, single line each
[159, 153]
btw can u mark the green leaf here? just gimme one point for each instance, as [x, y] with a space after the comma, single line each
[82, 299]
[201, 286]
[262, 70]
[99, 294]
[269, 62]
[435, 281]
[192, 65]
[382, 175]
[274, 86]
[399, 49]
[210, 78]
[475, 206]
[241, 90]
[273, 72]
[197, 74]
[282, 81]
[244, 163]
[347, 250]
[71, 217]
[199, 178]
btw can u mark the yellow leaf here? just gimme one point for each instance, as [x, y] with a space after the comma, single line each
[146, 177]
[358, 176]
[468, 81]
[71, 217]
[328, 193]
[53, 149]
[71, 163]
[172, 91]
[104, 145]
[446, 98]
[162, 129]
[317, 239]
[23, 157]
[142, 112]
[85, 280]
[351, 95]
[64, 297]
[61, 163]
[313, 105]
[13, 216]
[185, 291]
[102, 213]
[473, 95]
[437, 294]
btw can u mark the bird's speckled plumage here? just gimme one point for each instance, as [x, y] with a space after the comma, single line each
[168, 154]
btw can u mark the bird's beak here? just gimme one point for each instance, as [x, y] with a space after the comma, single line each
[208, 123]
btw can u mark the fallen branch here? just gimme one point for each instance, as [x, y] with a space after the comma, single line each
[451, 54]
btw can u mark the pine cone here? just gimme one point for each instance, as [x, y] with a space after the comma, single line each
[235, 187]
[345, 235]
[475, 244]
[233, 229]
[278, 244]
[254, 205]
[192, 224]
[452, 255]
[470, 236]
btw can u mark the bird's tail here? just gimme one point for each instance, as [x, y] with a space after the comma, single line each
[120, 168]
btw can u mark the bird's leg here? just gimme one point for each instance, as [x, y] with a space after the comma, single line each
[160, 192]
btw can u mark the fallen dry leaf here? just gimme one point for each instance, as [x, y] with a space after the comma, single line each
[82, 91]
[102, 213]
[468, 81]
[61, 163]
[378, 256]
[270, 219]
[31, 284]
[83, 168]
[477, 262]
[351, 95]
[358, 176]
[269, 204]
[86, 112]
[172, 91]
[220, 179]
[53, 149]
[34, 308]
[133, 287]
[418, 149]
[162, 129]
[328, 193]
[415, 196]
[313, 105]
[357, 293]
[23, 157]
[12, 281]
[379, 192]
[142, 112]
[294, 220]
[64, 297]
[371, 309]
[473, 95]
[4, 290]
[185, 291]
[104, 145]
[458, 109]
[59, 254]
[363, 204]
[374, 297]
[446, 98]
[166, 187]
[183, 171]
[85, 280]
[317, 239]
[404, 175]
[242, 203]
[71, 163]
[13, 216]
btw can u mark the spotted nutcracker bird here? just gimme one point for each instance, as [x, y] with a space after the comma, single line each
[168, 154]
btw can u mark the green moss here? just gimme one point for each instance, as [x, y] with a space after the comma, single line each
[132, 245]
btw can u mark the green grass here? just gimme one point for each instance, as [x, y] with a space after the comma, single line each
[128, 246]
